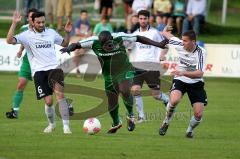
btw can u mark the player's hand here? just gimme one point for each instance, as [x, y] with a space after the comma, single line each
[70, 48]
[16, 17]
[19, 54]
[68, 26]
[177, 73]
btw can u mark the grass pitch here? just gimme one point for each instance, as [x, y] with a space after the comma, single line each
[217, 137]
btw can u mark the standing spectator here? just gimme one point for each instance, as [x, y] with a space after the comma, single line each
[102, 26]
[127, 12]
[164, 8]
[51, 11]
[178, 14]
[141, 5]
[64, 7]
[106, 7]
[27, 5]
[196, 10]
[82, 30]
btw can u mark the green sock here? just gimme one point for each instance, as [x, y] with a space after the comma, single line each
[128, 102]
[114, 115]
[17, 100]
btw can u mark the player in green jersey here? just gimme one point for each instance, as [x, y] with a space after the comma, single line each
[24, 74]
[116, 69]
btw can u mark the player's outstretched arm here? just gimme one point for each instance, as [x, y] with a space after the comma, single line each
[68, 28]
[190, 74]
[71, 48]
[16, 18]
[148, 41]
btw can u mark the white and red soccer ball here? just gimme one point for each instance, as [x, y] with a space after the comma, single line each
[91, 126]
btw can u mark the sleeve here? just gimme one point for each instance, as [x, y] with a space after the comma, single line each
[126, 37]
[88, 43]
[175, 42]
[58, 39]
[21, 38]
[201, 59]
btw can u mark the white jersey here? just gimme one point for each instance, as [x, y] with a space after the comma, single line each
[40, 48]
[189, 61]
[146, 53]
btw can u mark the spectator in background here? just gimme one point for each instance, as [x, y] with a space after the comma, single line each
[102, 26]
[134, 23]
[160, 23]
[82, 30]
[106, 7]
[64, 7]
[152, 21]
[196, 10]
[141, 5]
[51, 11]
[127, 4]
[164, 8]
[178, 14]
[27, 4]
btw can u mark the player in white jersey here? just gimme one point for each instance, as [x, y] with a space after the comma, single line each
[188, 78]
[39, 44]
[143, 55]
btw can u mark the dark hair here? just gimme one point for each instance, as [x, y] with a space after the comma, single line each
[34, 10]
[105, 36]
[144, 13]
[84, 11]
[190, 34]
[37, 15]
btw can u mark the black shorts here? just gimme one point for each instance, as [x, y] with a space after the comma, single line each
[195, 91]
[152, 78]
[43, 81]
[106, 3]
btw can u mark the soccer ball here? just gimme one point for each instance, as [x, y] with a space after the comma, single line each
[91, 126]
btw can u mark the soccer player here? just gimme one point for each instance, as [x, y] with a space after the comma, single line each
[146, 54]
[23, 75]
[116, 69]
[188, 78]
[39, 44]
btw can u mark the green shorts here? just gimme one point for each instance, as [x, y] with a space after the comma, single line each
[110, 81]
[25, 70]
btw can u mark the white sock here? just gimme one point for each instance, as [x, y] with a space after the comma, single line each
[169, 113]
[50, 113]
[63, 109]
[163, 97]
[139, 104]
[193, 123]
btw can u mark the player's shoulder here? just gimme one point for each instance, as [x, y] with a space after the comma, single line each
[89, 39]
[24, 27]
[122, 34]
[50, 30]
[201, 49]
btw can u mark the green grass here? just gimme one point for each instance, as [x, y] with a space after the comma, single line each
[216, 137]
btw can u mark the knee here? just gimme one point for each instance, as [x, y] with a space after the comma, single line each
[49, 103]
[21, 85]
[156, 95]
[198, 115]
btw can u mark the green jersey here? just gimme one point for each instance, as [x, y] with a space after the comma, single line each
[25, 70]
[115, 62]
